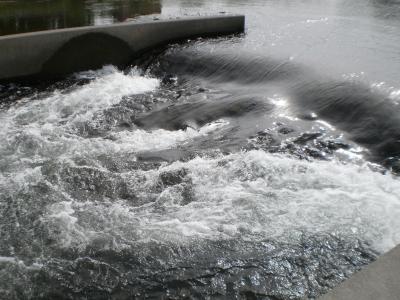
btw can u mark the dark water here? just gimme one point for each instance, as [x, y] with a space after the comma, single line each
[33, 15]
[262, 166]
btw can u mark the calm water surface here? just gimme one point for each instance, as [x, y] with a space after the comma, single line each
[259, 166]
[25, 16]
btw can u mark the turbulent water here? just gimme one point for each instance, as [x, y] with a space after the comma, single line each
[213, 169]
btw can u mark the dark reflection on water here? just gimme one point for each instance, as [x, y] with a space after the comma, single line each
[25, 16]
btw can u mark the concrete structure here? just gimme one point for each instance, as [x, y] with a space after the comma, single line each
[55, 53]
[378, 281]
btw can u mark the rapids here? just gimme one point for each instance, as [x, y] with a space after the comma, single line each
[230, 168]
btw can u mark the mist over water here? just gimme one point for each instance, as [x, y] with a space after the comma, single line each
[262, 166]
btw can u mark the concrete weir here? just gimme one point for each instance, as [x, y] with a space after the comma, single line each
[55, 53]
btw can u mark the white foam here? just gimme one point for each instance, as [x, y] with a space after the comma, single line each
[142, 140]
[20, 263]
[251, 195]
[109, 87]
[62, 221]
[312, 21]
[5, 259]
[395, 95]
[128, 141]
[40, 129]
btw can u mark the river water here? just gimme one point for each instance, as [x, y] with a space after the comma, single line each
[259, 166]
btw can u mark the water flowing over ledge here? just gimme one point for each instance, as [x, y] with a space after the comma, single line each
[257, 166]
[91, 180]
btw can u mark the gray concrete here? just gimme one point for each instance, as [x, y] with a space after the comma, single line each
[378, 281]
[48, 54]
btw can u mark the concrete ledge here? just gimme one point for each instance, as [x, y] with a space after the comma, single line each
[55, 53]
[378, 281]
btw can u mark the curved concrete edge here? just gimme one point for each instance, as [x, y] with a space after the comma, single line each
[379, 280]
[53, 53]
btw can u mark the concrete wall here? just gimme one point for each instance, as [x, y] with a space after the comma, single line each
[378, 281]
[55, 53]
